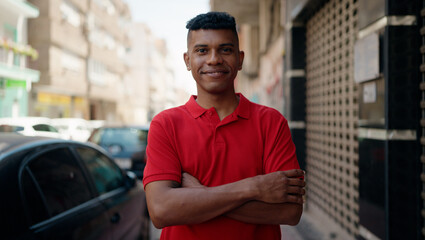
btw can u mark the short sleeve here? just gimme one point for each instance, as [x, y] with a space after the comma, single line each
[162, 160]
[279, 154]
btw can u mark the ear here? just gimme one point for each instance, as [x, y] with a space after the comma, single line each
[241, 57]
[186, 60]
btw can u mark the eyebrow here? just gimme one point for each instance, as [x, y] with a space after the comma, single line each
[221, 45]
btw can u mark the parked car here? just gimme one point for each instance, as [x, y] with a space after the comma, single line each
[73, 128]
[126, 144]
[31, 126]
[61, 189]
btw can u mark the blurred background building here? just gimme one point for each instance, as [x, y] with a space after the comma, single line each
[348, 76]
[16, 78]
[96, 64]
[150, 82]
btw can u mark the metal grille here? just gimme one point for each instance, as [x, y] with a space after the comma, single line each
[422, 88]
[332, 113]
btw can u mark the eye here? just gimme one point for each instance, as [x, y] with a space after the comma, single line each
[201, 50]
[227, 50]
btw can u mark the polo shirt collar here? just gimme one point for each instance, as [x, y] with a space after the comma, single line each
[243, 109]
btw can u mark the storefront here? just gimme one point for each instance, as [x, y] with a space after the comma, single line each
[15, 84]
[56, 105]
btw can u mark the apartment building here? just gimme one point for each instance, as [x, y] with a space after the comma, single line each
[82, 58]
[16, 78]
[150, 84]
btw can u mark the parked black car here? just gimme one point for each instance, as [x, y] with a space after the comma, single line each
[61, 189]
[125, 143]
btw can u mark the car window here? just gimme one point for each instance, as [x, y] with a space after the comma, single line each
[129, 138]
[106, 175]
[36, 207]
[10, 128]
[60, 179]
[44, 128]
[95, 138]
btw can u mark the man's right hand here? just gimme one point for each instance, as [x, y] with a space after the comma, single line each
[281, 187]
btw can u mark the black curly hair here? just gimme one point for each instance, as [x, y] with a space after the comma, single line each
[212, 20]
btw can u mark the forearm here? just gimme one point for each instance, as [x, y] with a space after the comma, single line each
[257, 212]
[176, 206]
[169, 204]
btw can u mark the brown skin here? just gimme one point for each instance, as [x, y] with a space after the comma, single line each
[214, 58]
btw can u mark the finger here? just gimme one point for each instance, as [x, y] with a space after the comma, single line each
[294, 173]
[296, 182]
[295, 199]
[296, 190]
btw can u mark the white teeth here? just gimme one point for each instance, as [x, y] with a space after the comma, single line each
[215, 73]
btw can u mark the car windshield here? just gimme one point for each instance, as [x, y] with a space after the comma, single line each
[130, 138]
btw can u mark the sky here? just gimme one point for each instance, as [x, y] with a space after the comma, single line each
[167, 20]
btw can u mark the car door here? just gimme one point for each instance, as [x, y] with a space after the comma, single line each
[123, 197]
[58, 198]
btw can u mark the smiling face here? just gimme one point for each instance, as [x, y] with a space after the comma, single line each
[214, 58]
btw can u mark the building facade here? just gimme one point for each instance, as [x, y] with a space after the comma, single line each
[16, 77]
[82, 58]
[349, 83]
[151, 82]
[97, 64]
[58, 35]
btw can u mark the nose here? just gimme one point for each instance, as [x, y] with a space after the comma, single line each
[214, 58]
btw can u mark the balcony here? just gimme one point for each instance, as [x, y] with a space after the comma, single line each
[16, 54]
[13, 61]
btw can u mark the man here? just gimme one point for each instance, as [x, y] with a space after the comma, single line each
[220, 167]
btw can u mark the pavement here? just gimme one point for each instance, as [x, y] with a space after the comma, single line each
[315, 225]
[306, 229]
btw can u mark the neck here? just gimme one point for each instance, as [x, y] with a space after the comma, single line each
[223, 104]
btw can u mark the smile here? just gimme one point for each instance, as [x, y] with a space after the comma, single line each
[215, 73]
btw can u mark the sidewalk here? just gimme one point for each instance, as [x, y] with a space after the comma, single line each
[305, 230]
[314, 225]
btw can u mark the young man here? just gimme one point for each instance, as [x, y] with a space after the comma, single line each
[220, 167]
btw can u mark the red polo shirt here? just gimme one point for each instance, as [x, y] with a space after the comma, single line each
[253, 140]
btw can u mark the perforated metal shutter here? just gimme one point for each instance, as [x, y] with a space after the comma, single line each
[332, 113]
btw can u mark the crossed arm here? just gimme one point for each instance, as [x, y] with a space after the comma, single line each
[274, 198]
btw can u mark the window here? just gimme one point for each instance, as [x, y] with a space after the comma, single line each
[60, 180]
[36, 206]
[106, 175]
[70, 14]
[10, 128]
[102, 39]
[44, 128]
[97, 72]
[121, 51]
[72, 62]
[109, 41]
[106, 5]
[131, 139]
